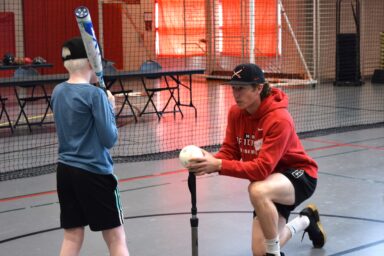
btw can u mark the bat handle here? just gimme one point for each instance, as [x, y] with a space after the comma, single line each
[102, 85]
[101, 82]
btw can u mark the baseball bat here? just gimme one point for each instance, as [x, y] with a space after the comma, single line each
[84, 21]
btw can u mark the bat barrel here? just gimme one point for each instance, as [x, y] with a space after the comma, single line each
[84, 22]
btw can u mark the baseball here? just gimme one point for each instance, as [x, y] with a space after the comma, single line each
[188, 152]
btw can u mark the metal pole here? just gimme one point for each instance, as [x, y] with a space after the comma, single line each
[295, 41]
[193, 220]
[252, 31]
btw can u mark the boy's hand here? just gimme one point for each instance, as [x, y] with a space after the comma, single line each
[111, 99]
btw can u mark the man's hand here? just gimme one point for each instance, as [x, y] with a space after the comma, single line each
[204, 165]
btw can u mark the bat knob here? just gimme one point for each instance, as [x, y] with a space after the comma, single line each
[81, 12]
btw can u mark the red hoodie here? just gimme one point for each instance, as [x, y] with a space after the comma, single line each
[265, 141]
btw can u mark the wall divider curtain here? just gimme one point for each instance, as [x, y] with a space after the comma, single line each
[181, 28]
[235, 28]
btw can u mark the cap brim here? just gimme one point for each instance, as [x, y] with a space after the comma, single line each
[239, 83]
[107, 60]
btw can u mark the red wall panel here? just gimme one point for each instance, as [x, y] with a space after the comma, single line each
[113, 40]
[7, 38]
[48, 23]
[7, 30]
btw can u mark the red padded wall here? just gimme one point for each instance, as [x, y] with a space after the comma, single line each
[47, 23]
[7, 38]
[113, 40]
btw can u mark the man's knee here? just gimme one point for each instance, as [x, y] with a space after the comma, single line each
[256, 191]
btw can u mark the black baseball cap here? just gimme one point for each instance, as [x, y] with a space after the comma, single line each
[76, 49]
[247, 74]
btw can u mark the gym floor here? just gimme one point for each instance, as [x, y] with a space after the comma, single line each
[156, 200]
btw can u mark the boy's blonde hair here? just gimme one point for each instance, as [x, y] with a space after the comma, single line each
[73, 65]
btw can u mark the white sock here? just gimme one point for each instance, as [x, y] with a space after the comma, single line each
[273, 246]
[298, 224]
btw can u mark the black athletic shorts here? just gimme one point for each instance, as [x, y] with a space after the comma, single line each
[88, 198]
[304, 186]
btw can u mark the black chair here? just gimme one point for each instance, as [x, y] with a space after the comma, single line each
[119, 91]
[4, 111]
[152, 66]
[28, 96]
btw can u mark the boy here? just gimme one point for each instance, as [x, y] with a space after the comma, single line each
[86, 130]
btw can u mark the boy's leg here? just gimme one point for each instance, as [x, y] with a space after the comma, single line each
[72, 242]
[115, 239]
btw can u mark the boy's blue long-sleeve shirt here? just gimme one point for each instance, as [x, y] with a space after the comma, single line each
[85, 126]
